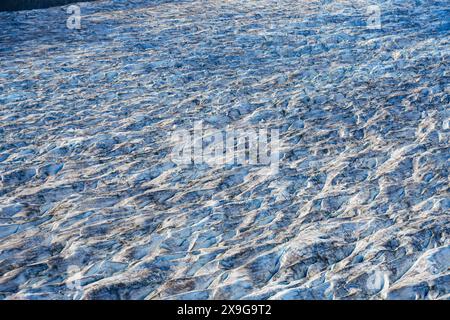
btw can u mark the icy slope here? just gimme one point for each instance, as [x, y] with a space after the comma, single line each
[91, 205]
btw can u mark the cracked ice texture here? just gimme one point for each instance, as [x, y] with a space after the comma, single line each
[359, 208]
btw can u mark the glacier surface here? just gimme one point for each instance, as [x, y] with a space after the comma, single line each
[91, 207]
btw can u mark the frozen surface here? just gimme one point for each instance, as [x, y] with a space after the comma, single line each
[92, 207]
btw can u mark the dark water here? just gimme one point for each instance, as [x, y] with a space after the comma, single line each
[15, 5]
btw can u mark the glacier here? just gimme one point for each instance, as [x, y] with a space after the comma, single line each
[92, 207]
